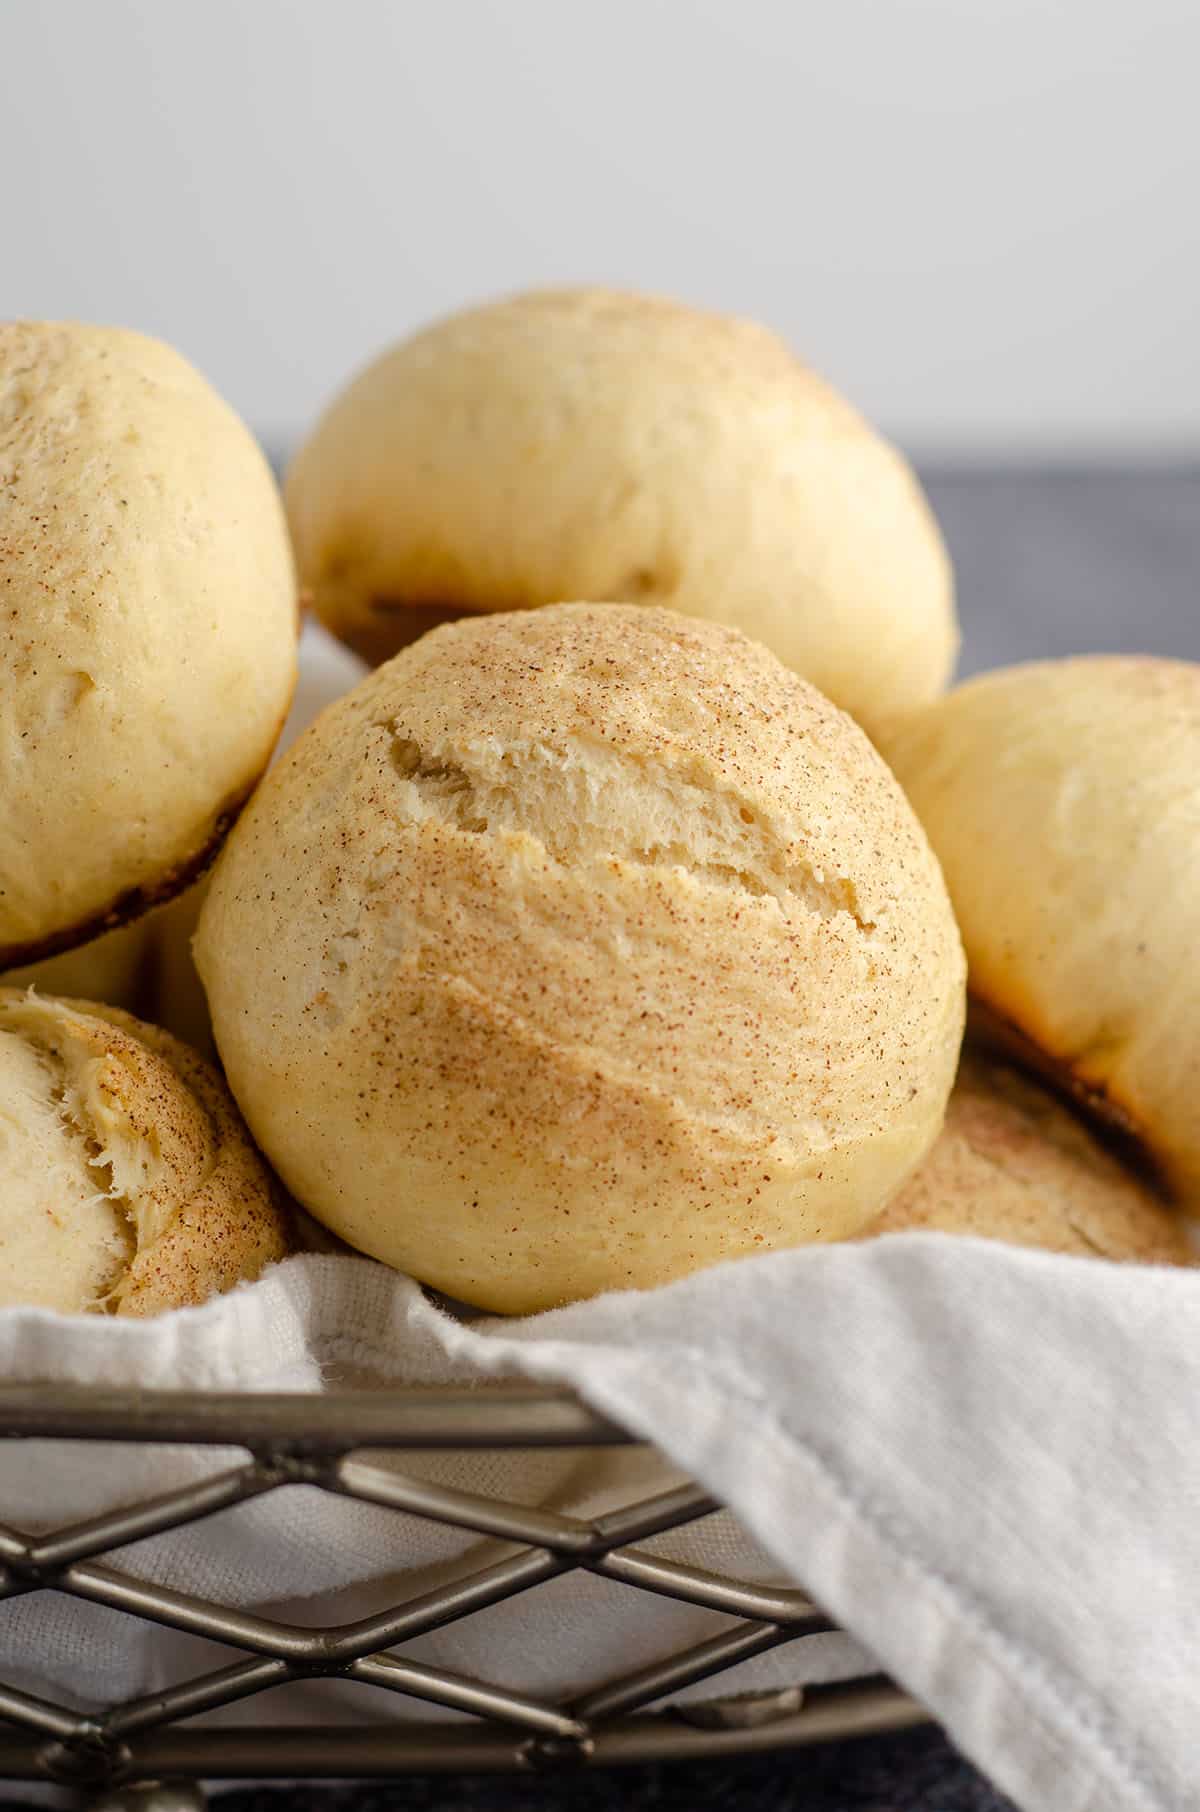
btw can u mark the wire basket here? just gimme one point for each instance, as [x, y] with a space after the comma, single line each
[326, 1442]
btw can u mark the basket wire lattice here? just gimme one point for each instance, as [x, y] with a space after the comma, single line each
[325, 1442]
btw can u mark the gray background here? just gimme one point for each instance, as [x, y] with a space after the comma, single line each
[978, 217]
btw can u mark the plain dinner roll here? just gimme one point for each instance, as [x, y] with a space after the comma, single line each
[176, 992]
[590, 444]
[129, 1182]
[116, 968]
[1064, 801]
[578, 948]
[1013, 1165]
[147, 628]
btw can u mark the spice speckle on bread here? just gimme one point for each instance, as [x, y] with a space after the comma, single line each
[147, 628]
[128, 1183]
[1012, 1164]
[579, 948]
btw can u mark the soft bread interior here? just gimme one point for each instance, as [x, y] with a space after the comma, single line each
[102, 1144]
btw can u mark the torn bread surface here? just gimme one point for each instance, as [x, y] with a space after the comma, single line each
[130, 1184]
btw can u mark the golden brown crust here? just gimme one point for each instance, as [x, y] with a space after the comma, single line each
[1013, 1165]
[135, 902]
[1111, 1123]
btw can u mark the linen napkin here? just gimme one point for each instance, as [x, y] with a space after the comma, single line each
[983, 1462]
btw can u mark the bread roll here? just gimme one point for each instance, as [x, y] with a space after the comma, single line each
[147, 628]
[578, 948]
[1013, 1165]
[129, 1183]
[177, 994]
[1063, 799]
[590, 444]
[115, 968]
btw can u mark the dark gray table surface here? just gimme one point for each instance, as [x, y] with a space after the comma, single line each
[916, 1772]
[1049, 562]
[1070, 561]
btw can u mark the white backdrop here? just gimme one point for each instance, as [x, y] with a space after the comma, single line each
[980, 217]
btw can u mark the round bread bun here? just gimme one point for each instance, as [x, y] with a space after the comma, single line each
[593, 444]
[147, 628]
[130, 1184]
[1012, 1164]
[579, 948]
[1063, 799]
[116, 968]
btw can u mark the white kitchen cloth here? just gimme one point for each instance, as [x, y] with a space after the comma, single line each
[984, 1462]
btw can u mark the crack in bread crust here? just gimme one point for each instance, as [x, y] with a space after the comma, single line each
[471, 799]
[146, 1117]
[68, 1107]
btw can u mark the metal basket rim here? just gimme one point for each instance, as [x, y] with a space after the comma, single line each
[490, 1414]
